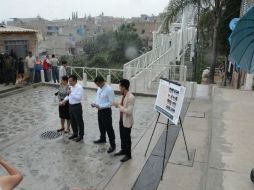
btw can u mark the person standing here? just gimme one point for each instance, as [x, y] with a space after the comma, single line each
[126, 119]
[104, 98]
[75, 108]
[54, 62]
[11, 181]
[62, 70]
[64, 108]
[37, 68]
[46, 68]
[9, 66]
[30, 63]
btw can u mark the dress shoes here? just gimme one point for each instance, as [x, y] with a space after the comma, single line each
[111, 149]
[59, 130]
[78, 139]
[73, 137]
[99, 141]
[120, 153]
[126, 158]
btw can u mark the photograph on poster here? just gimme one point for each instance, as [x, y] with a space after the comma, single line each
[169, 100]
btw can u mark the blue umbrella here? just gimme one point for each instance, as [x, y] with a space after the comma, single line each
[242, 42]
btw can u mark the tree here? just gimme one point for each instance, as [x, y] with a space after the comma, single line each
[109, 49]
[218, 9]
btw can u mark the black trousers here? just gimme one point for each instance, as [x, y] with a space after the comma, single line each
[125, 136]
[105, 125]
[77, 123]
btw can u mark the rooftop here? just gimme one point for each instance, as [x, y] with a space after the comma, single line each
[15, 29]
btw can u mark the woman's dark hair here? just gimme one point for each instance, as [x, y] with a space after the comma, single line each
[125, 83]
[99, 79]
[65, 78]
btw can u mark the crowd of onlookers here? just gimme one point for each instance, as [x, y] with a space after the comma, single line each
[16, 70]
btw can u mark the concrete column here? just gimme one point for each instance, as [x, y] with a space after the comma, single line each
[109, 79]
[248, 82]
[133, 84]
[84, 79]
[42, 76]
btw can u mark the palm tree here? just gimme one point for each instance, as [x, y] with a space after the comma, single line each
[217, 7]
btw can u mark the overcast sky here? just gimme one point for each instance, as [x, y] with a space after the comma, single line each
[52, 9]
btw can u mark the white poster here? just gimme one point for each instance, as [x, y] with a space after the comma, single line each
[169, 100]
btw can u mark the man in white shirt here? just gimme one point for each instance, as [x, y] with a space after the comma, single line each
[62, 70]
[30, 63]
[75, 108]
[54, 63]
[104, 98]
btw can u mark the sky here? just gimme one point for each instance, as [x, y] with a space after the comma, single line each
[59, 9]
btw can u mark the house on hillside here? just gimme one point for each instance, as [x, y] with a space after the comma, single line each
[19, 40]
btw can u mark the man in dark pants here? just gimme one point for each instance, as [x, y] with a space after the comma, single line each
[104, 98]
[126, 119]
[75, 108]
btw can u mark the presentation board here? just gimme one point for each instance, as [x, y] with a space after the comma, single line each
[169, 101]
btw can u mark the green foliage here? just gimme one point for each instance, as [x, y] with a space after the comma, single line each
[109, 49]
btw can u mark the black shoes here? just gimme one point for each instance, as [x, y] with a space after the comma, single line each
[120, 153]
[59, 130]
[73, 137]
[78, 139]
[99, 141]
[111, 149]
[126, 158]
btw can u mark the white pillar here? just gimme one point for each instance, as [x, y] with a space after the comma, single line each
[248, 82]
[84, 79]
[42, 76]
[109, 79]
[133, 84]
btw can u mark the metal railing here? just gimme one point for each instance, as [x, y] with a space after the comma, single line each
[92, 73]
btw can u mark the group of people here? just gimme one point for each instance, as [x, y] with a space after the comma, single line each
[34, 66]
[10, 67]
[15, 70]
[70, 96]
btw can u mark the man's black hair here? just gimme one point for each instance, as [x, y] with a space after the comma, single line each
[99, 79]
[125, 83]
[64, 62]
[74, 77]
[64, 78]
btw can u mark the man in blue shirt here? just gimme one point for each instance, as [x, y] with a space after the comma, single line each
[104, 98]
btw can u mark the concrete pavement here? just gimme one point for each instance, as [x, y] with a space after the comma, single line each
[219, 130]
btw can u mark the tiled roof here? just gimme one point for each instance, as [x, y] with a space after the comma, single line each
[15, 29]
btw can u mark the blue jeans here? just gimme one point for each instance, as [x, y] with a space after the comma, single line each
[31, 75]
[55, 74]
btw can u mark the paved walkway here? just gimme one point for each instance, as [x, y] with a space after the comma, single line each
[218, 130]
[60, 163]
[223, 141]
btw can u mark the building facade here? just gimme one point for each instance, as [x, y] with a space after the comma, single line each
[19, 40]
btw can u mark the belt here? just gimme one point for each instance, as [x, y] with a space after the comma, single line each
[104, 108]
[72, 105]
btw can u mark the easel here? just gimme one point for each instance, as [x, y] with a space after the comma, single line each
[165, 146]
